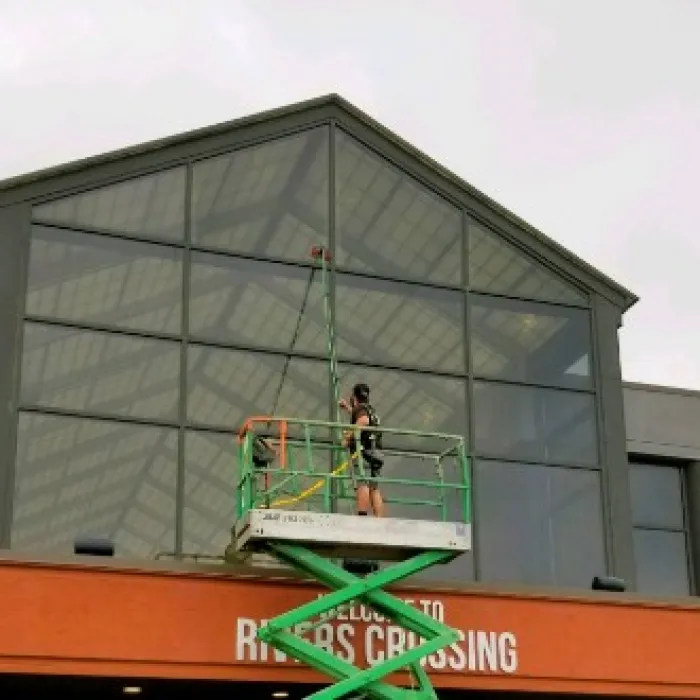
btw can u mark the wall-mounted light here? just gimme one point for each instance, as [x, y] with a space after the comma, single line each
[280, 694]
[131, 690]
[93, 547]
[612, 584]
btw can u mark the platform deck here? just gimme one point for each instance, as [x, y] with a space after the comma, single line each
[338, 536]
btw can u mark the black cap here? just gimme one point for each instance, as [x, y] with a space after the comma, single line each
[361, 392]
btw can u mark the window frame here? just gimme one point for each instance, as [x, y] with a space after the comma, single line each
[681, 466]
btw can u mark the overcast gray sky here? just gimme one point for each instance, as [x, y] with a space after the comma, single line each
[582, 116]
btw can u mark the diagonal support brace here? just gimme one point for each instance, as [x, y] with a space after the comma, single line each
[348, 588]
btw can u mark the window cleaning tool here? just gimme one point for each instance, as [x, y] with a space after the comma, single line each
[310, 540]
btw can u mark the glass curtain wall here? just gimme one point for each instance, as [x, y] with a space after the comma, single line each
[163, 310]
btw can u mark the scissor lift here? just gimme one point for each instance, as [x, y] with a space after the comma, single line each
[292, 509]
[292, 503]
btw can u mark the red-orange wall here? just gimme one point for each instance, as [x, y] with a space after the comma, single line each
[71, 619]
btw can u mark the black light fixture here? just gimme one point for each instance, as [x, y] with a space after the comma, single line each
[93, 547]
[612, 584]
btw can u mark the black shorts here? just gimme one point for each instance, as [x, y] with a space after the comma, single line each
[372, 463]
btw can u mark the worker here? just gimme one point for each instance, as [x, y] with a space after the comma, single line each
[363, 414]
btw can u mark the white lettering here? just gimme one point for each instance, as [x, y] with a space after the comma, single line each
[507, 653]
[438, 660]
[346, 633]
[487, 650]
[323, 637]
[395, 641]
[365, 614]
[477, 650]
[246, 640]
[458, 661]
[471, 650]
[373, 656]
[434, 609]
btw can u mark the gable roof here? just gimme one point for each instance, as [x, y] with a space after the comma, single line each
[159, 153]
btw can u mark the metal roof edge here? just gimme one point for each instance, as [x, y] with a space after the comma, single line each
[17, 182]
[630, 298]
[165, 142]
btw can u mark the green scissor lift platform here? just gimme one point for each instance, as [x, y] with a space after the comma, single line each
[293, 505]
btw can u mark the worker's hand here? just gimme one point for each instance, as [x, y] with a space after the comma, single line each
[344, 404]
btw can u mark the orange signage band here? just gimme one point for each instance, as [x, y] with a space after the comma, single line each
[96, 621]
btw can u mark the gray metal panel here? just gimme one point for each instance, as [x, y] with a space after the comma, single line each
[662, 421]
[338, 535]
[14, 254]
[612, 441]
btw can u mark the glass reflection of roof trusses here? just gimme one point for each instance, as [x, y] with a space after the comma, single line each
[252, 200]
[117, 478]
[150, 206]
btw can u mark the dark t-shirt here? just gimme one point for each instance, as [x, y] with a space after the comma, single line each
[366, 435]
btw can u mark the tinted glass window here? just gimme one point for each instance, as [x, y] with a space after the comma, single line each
[528, 342]
[538, 525]
[534, 424]
[211, 474]
[226, 387]
[388, 223]
[103, 280]
[662, 564]
[78, 477]
[104, 373]
[657, 500]
[400, 324]
[150, 206]
[257, 303]
[496, 266]
[412, 401]
[270, 199]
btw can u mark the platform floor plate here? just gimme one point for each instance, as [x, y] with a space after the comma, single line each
[337, 535]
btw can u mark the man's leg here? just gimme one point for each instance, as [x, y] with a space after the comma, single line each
[363, 498]
[376, 500]
[375, 495]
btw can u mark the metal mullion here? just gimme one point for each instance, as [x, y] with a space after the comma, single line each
[180, 244]
[89, 326]
[408, 280]
[93, 231]
[533, 300]
[660, 528]
[534, 385]
[410, 369]
[95, 415]
[199, 341]
[181, 474]
[242, 255]
[333, 410]
[484, 294]
[527, 461]
[470, 430]
[685, 505]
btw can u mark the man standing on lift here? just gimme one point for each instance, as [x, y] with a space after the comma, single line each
[362, 414]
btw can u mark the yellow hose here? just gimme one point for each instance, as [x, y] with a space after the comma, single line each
[291, 500]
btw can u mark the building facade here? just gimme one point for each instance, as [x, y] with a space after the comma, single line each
[155, 297]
